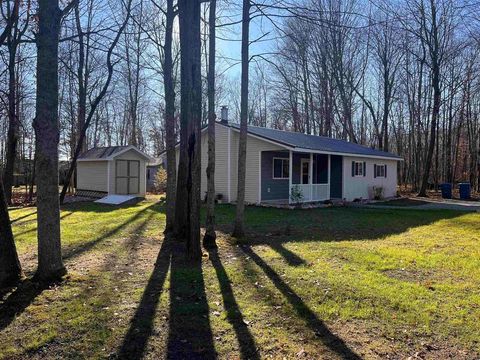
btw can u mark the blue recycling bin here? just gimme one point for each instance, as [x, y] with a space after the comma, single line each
[446, 190]
[465, 191]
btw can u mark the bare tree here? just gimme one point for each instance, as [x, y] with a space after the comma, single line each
[10, 269]
[19, 25]
[46, 124]
[210, 235]
[169, 88]
[101, 94]
[239, 229]
[188, 184]
[434, 33]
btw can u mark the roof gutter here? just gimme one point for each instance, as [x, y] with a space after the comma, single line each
[347, 154]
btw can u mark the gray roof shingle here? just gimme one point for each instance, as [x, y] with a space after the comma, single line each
[101, 152]
[313, 142]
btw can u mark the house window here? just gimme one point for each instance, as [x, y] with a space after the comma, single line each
[280, 168]
[358, 168]
[380, 171]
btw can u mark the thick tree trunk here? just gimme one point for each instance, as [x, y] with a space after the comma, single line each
[10, 270]
[210, 235]
[170, 119]
[191, 115]
[46, 124]
[13, 125]
[239, 230]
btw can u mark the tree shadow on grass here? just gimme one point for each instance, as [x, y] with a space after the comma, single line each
[34, 229]
[23, 217]
[289, 256]
[21, 298]
[75, 251]
[25, 293]
[248, 348]
[90, 206]
[278, 227]
[330, 340]
[190, 335]
[141, 326]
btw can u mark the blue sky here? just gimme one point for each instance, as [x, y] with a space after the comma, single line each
[229, 51]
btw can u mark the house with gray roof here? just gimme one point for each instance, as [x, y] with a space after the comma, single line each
[289, 167]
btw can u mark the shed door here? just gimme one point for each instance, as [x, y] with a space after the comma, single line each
[127, 177]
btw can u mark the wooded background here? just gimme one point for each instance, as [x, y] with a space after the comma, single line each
[399, 76]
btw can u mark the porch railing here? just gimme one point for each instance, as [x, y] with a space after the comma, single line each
[313, 192]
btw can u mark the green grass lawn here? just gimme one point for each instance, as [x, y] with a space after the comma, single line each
[322, 283]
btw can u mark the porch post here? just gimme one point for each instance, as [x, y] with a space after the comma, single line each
[329, 180]
[290, 168]
[310, 176]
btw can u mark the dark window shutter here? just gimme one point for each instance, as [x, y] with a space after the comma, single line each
[364, 168]
[386, 170]
[375, 170]
[353, 168]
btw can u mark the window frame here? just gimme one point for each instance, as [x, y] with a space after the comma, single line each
[287, 160]
[378, 172]
[358, 166]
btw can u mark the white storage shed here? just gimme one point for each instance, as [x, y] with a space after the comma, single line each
[113, 170]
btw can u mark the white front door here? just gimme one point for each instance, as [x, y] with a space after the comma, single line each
[305, 171]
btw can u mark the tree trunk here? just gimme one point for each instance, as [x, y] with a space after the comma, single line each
[82, 82]
[10, 270]
[46, 125]
[239, 230]
[13, 125]
[170, 118]
[93, 108]
[434, 54]
[210, 235]
[191, 115]
[32, 179]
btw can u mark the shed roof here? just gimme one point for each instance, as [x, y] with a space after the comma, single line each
[108, 153]
[313, 142]
[101, 152]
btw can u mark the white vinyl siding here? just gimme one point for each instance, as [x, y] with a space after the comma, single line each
[221, 161]
[92, 176]
[254, 147]
[355, 187]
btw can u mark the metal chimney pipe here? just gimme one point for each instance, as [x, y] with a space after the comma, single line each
[224, 117]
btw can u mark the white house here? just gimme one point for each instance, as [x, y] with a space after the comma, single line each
[282, 163]
[114, 170]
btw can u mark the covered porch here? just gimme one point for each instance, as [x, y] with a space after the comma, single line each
[289, 177]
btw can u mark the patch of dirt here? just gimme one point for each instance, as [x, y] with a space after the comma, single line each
[410, 275]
